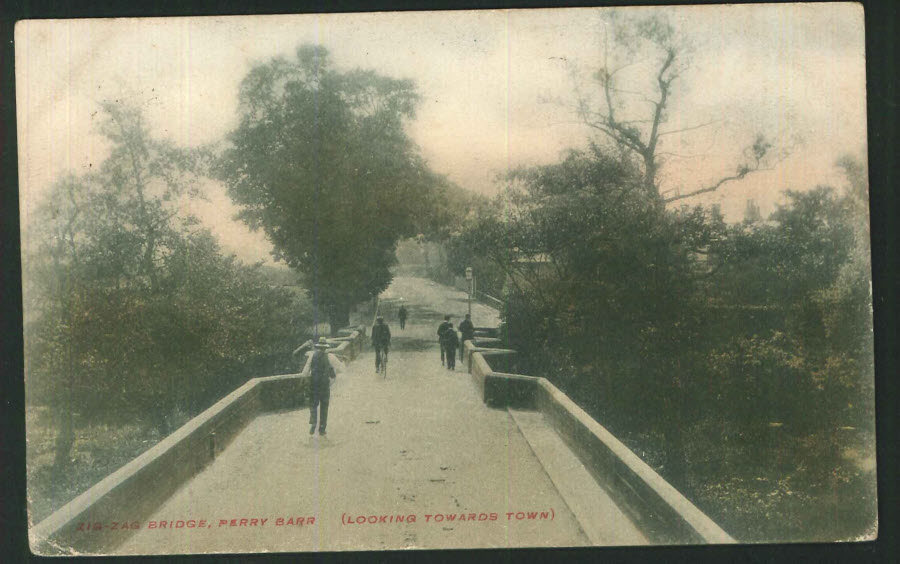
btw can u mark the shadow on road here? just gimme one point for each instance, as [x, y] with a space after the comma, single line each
[400, 343]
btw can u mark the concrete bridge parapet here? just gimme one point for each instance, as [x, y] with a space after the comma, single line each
[662, 513]
[347, 345]
[481, 345]
[146, 482]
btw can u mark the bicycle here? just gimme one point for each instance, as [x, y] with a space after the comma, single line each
[381, 359]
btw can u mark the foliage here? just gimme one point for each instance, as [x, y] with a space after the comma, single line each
[321, 162]
[132, 312]
[668, 324]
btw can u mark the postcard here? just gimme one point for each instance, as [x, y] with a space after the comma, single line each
[431, 280]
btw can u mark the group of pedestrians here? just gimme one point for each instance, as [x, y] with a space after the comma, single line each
[451, 342]
[324, 367]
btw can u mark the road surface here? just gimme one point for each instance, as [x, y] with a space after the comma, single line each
[419, 443]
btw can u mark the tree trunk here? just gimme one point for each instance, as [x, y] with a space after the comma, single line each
[338, 317]
[65, 438]
[676, 465]
[161, 422]
[650, 175]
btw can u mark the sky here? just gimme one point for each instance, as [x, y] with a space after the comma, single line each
[497, 88]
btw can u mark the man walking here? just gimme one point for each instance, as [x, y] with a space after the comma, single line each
[381, 340]
[321, 374]
[401, 315]
[467, 332]
[449, 343]
[441, 328]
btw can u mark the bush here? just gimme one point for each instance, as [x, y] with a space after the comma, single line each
[134, 319]
[726, 354]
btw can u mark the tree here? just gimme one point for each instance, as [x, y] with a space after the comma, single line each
[601, 287]
[132, 312]
[102, 233]
[140, 183]
[321, 162]
[634, 120]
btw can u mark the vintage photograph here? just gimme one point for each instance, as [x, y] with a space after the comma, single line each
[439, 280]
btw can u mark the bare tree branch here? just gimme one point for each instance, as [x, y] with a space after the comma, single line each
[758, 152]
[681, 156]
[741, 174]
[618, 137]
[631, 136]
[663, 96]
[626, 65]
[689, 128]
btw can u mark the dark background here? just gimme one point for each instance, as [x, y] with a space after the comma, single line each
[883, 96]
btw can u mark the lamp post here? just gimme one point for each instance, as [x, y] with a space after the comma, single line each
[469, 277]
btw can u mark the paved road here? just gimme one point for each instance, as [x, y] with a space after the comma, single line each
[420, 442]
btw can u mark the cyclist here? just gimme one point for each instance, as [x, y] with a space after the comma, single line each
[381, 340]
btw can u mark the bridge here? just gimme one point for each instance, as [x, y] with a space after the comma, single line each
[478, 457]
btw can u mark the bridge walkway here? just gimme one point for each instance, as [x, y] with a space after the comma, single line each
[419, 442]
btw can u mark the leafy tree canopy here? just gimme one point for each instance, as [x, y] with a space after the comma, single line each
[131, 308]
[322, 163]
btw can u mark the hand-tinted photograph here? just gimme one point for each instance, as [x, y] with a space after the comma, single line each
[435, 280]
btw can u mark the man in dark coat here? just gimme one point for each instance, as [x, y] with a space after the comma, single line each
[467, 333]
[401, 315]
[381, 340]
[441, 328]
[321, 374]
[449, 343]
